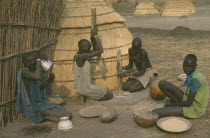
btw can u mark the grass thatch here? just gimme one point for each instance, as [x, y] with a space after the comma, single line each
[109, 3]
[113, 35]
[146, 7]
[78, 14]
[178, 8]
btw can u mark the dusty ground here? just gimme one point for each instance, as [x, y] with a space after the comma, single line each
[166, 50]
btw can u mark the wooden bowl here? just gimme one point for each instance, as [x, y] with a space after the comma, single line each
[155, 92]
[108, 116]
[145, 118]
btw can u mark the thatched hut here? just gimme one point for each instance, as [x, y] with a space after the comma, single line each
[76, 25]
[110, 3]
[146, 7]
[178, 8]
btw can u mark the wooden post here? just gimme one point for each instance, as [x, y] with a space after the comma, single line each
[93, 13]
[119, 70]
[93, 24]
[1, 81]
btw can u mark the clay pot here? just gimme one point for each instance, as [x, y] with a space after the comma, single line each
[108, 116]
[145, 118]
[65, 124]
[155, 92]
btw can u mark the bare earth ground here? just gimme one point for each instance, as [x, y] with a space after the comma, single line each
[166, 50]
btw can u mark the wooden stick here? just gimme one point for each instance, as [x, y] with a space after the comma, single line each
[93, 13]
[7, 102]
[93, 25]
[1, 78]
[119, 70]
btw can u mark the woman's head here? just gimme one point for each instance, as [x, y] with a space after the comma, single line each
[84, 45]
[29, 60]
[190, 64]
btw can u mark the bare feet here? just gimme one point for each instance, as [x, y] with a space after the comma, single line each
[107, 96]
[82, 99]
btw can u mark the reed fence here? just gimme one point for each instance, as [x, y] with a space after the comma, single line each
[25, 26]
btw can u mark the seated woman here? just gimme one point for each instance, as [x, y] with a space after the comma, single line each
[81, 69]
[30, 101]
[139, 79]
[193, 102]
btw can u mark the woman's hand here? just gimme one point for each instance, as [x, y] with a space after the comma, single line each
[124, 68]
[42, 57]
[94, 31]
[124, 74]
[51, 78]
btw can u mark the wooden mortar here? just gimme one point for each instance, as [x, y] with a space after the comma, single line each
[108, 116]
[145, 118]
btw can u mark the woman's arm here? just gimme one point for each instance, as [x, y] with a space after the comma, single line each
[36, 75]
[138, 73]
[130, 64]
[194, 87]
[97, 46]
[47, 81]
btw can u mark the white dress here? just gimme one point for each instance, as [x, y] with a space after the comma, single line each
[83, 82]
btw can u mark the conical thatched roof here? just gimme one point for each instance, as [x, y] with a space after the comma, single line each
[109, 3]
[76, 26]
[146, 7]
[78, 14]
[178, 8]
